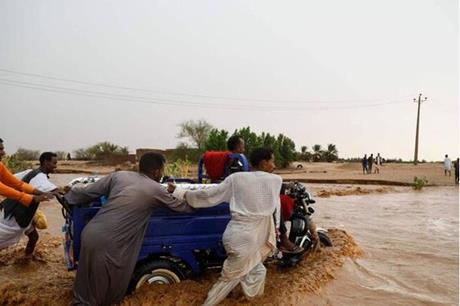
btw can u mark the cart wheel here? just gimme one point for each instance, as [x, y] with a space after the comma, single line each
[155, 271]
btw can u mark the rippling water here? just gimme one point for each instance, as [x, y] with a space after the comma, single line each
[411, 245]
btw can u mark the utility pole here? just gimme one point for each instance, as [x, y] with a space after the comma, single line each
[418, 123]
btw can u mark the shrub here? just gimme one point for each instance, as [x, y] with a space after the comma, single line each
[100, 151]
[419, 183]
[15, 165]
[26, 154]
[61, 155]
[178, 168]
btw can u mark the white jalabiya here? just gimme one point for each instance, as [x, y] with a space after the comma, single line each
[447, 164]
[250, 235]
[10, 231]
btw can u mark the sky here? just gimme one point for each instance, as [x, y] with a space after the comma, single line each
[74, 73]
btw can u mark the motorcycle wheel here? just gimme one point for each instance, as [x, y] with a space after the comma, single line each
[324, 239]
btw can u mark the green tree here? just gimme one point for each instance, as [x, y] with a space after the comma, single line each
[250, 139]
[317, 152]
[304, 154]
[286, 151]
[331, 153]
[217, 140]
[196, 131]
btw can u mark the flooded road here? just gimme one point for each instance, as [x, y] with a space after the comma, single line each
[410, 240]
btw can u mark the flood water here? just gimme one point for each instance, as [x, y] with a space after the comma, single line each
[410, 240]
[410, 243]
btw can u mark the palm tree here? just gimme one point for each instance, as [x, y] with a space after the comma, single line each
[331, 153]
[317, 152]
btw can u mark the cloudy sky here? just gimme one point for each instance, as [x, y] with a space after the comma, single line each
[73, 73]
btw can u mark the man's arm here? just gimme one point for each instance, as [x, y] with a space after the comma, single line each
[22, 197]
[170, 201]
[84, 194]
[207, 197]
[8, 179]
[11, 193]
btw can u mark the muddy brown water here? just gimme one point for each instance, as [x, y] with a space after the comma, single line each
[410, 257]
[410, 240]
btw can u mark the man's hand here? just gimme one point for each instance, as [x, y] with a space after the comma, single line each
[171, 187]
[43, 197]
[314, 236]
[316, 243]
[38, 192]
[62, 190]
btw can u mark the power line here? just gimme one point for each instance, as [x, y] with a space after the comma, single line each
[148, 100]
[104, 96]
[98, 93]
[184, 94]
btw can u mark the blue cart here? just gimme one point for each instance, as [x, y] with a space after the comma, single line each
[176, 245]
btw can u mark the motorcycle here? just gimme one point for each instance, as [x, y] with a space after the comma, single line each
[301, 224]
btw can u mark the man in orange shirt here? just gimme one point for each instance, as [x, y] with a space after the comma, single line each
[13, 188]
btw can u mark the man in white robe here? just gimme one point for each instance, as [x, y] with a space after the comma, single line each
[250, 235]
[17, 219]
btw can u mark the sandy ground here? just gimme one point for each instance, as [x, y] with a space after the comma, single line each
[316, 172]
[43, 280]
[403, 173]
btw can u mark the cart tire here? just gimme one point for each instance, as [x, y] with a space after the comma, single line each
[155, 271]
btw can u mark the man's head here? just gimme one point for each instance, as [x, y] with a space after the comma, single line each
[48, 162]
[235, 144]
[2, 149]
[446, 155]
[152, 165]
[263, 159]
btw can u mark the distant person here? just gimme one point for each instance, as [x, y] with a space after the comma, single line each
[111, 241]
[370, 162]
[378, 163]
[447, 166]
[69, 157]
[235, 144]
[456, 165]
[17, 219]
[13, 188]
[364, 164]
